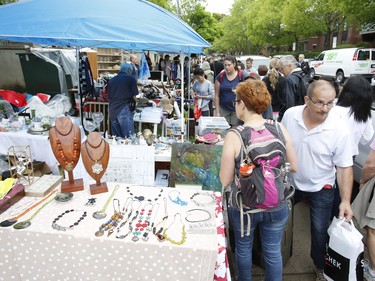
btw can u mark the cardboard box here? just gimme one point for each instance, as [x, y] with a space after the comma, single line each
[41, 168]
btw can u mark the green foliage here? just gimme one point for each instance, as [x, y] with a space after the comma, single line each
[3, 2]
[162, 3]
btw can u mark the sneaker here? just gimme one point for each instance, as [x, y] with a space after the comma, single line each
[368, 273]
[319, 275]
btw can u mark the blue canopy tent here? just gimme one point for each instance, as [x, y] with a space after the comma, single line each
[131, 25]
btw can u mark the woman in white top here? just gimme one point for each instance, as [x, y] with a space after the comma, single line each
[354, 106]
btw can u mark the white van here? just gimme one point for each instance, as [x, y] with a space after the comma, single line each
[343, 63]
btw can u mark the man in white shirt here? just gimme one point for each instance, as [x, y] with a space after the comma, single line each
[322, 143]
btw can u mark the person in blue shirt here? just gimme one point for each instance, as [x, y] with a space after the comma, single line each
[122, 91]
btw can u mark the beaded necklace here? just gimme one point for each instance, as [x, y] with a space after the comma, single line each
[143, 221]
[142, 198]
[112, 222]
[177, 200]
[183, 232]
[68, 164]
[97, 168]
[130, 222]
[151, 224]
[64, 228]
[203, 203]
[158, 233]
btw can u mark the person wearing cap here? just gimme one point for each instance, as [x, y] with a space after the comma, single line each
[122, 91]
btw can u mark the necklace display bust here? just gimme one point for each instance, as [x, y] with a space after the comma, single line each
[95, 156]
[65, 139]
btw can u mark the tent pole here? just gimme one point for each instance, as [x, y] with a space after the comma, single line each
[79, 88]
[182, 93]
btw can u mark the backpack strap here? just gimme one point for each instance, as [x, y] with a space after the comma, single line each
[239, 75]
[221, 77]
[237, 130]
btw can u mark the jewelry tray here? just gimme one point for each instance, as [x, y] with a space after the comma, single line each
[42, 186]
[16, 193]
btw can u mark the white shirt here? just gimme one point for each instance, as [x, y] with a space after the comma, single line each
[318, 150]
[361, 132]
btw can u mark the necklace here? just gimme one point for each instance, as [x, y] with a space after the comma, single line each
[97, 168]
[143, 222]
[68, 164]
[101, 214]
[27, 223]
[183, 232]
[128, 218]
[141, 198]
[62, 125]
[207, 199]
[112, 222]
[190, 217]
[13, 220]
[130, 223]
[101, 140]
[158, 233]
[151, 223]
[64, 228]
[177, 200]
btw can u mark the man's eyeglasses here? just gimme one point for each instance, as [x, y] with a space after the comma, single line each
[320, 104]
[234, 102]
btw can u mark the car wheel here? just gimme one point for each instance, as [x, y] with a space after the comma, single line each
[312, 73]
[340, 76]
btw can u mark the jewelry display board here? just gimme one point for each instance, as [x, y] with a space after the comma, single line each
[62, 241]
[133, 164]
[21, 163]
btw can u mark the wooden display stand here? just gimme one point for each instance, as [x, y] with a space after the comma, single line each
[95, 156]
[65, 139]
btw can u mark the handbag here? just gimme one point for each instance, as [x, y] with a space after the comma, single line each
[344, 256]
[197, 110]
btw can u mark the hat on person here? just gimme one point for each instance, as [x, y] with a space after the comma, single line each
[126, 67]
[252, 75]
[167, 106]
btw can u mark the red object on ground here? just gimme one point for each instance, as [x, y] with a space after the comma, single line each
[14, 98]
[43, 97]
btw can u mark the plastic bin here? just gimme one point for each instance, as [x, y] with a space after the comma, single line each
[212, 124]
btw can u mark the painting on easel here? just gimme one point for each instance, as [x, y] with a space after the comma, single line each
[196, 164]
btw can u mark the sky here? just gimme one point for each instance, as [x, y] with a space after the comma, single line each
[219, 6]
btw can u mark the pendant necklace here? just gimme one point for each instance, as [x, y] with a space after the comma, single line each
[183, 232]
[142, 198]
[97, 168]
[13, 220]
[27, 223]
[130, 223]
[101, 214]
[177, 200]
[151, 223]
[127, 218]
[143, 221]
[69, 165]
[158, 233]
[64, 228]
[112, 222]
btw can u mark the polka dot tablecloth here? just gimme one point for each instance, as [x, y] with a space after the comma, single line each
[40, 252]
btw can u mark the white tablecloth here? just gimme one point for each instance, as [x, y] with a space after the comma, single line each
[39, 145]
[43, 253]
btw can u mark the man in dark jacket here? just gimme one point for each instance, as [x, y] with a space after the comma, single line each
[304, 65]
[295, 89]
[122, 90]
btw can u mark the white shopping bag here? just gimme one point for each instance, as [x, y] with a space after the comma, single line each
[344, 257]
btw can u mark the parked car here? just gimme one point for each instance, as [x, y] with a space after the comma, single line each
[343, 63]
[364, 150]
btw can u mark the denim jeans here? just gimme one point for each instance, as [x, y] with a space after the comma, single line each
[271, 226]
[320, 203]
[123, 125]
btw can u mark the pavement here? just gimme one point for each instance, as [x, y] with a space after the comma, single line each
[299, 266]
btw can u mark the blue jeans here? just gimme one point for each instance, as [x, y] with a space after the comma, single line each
[320, 203]
[123, 125]
[271, 226]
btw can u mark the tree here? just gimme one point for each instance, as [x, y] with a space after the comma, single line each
[3, 2]
[234, 39]
[166, 4]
